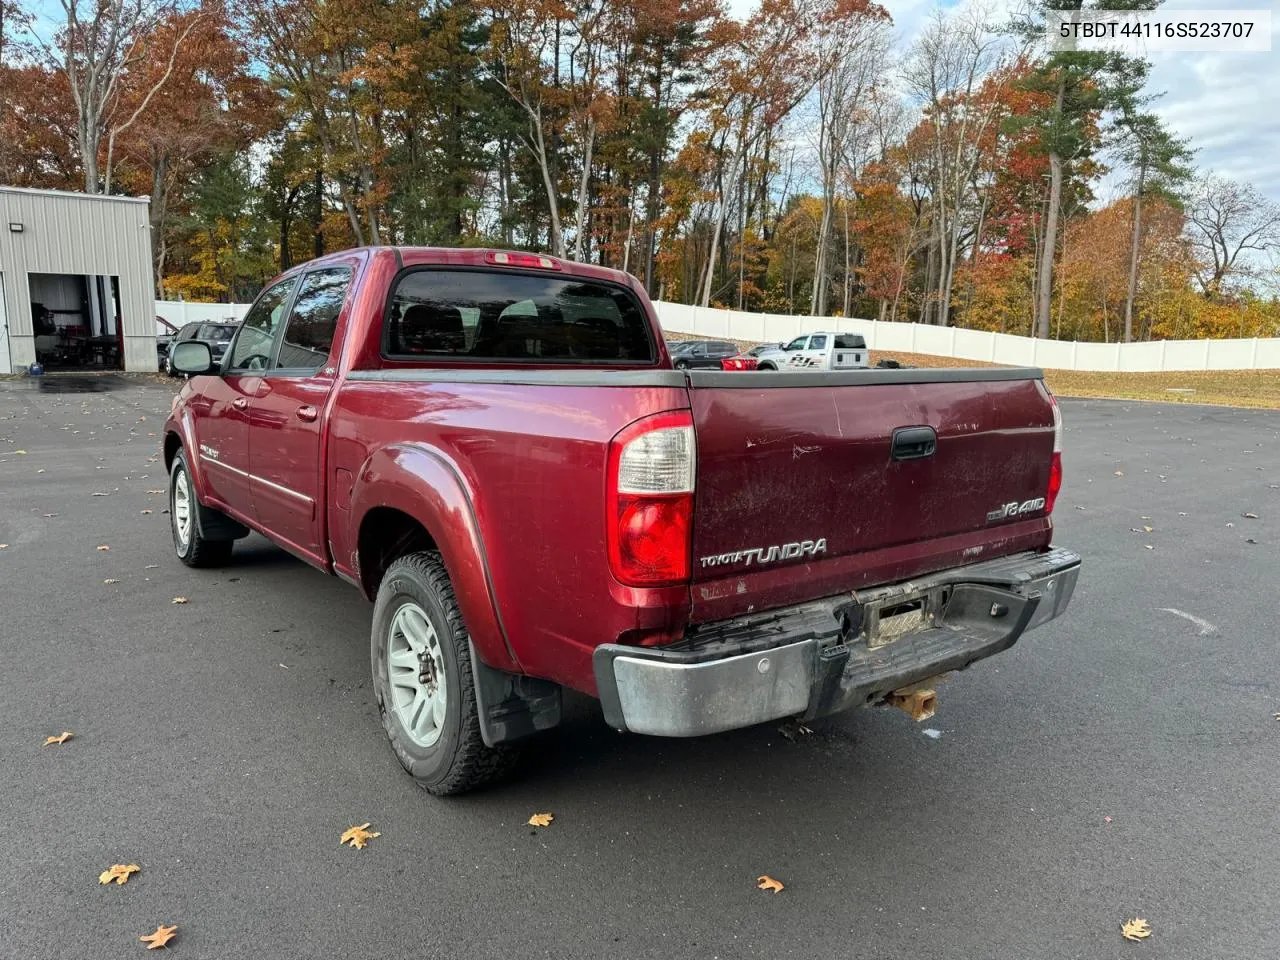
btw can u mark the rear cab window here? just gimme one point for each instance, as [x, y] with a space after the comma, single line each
[495, 316]
[850, 341]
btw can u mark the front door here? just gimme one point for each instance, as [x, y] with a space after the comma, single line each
[288, 415]
[222, 426]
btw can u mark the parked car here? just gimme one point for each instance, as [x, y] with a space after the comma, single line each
[818, 351]
[495, 449]
[701, 354]
[216, 335]
[165, 332]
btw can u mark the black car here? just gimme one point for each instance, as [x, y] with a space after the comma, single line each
[691, 354]
[217, 335]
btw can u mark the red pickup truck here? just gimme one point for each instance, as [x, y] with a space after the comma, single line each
[494, 447]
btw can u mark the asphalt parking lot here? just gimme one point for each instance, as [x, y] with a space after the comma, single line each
[1119, 763]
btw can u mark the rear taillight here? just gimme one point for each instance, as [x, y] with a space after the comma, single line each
[1055, 467]
[738, 363]
[650, 500]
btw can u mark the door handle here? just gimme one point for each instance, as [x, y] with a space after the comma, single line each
[307, 414]
[240, 403]
[914, 443]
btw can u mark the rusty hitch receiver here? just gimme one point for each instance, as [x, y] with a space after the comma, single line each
[918, 701]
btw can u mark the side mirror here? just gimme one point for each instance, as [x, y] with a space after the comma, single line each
[192, 357]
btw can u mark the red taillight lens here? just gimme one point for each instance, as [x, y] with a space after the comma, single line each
[1055, 483]
[738, 363]
[1055, 466]
[650, 501]
[537, 261]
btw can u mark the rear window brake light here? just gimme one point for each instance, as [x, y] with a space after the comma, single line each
[534, 260]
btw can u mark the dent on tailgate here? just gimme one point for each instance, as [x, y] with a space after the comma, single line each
[798, 496]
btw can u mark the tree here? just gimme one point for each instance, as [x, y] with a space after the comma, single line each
[1227, 219]
[98, 45]
[1160, 165]
[1082, 84]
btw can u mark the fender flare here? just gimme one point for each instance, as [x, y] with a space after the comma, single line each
[424, 483]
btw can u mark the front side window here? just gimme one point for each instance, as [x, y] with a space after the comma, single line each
[308, 336]
[796, 344]
[818, 343]
[494, 316]
[189, 331]
[252, 349]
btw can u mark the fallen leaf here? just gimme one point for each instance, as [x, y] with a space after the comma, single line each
[1136, 929]
[1078, 507]
[40, 470]
[48, 516]
[541, 819]
[1249, 516]
[1144, 527]
[178, 600]
[145, 512]
[155, 491]
[357, 837]
[61, 738]
[1106, 819]
[151, 566]
[119, 872]
[1276, 715]
[4, 546]
[103, 547]
[1119, 473]
[19, 453]
[110, 580]
[1148, 546]
[158, 939]
[98, 493]
[766, 882]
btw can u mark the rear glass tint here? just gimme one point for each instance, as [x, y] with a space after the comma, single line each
[495, 316]
[849, 341]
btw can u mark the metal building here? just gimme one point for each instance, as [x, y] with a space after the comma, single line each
[76, 287]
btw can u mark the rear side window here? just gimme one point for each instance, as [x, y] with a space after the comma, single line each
[494, 316]
[308, 336]
[850, 341]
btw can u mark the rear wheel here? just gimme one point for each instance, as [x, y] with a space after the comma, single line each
[422, 679]
[766, 366]
[192, 547]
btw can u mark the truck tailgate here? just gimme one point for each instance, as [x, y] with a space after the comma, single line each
[810, 484]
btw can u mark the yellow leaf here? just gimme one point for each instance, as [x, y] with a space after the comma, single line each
[119, 872]
[766, 882]
[158, 939]
[357, 837]
[1136, 929]
[1146, 528]
[19, 453]
[62, 738]
[178, 600]
[541, 819]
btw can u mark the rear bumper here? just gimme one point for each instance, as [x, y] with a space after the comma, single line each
[829, 655]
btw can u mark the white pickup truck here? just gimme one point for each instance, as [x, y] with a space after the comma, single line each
[816, 351]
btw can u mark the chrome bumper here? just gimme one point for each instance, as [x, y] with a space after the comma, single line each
[826, 656]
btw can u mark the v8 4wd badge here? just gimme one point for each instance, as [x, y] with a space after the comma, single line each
[1015, 509]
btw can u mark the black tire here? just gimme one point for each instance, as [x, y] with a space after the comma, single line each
[197, 550]
[458, 760]
[767, 367]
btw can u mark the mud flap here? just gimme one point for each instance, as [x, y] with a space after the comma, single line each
[512, 707]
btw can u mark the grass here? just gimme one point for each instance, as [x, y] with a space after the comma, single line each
[1231, 388]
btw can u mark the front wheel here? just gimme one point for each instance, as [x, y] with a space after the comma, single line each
[422, 679]
[192, 547]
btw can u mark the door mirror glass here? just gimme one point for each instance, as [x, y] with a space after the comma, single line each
[192, 357]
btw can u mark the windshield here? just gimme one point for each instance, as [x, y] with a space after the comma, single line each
[216, 331]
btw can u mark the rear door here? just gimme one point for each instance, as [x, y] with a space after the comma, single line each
[815, 354]
[223, 431]
[288, 412]
[809, 484]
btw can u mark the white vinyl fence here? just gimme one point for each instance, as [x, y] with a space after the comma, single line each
[1250, 354]
[677, 318]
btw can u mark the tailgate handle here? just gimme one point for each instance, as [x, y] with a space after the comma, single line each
[914, 443]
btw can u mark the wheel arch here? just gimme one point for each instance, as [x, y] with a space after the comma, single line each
[412, 497]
